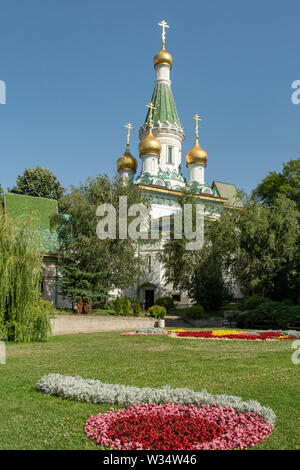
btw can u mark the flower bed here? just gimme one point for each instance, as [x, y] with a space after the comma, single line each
[94, 391]
[234, 334]
[146, 332]
[177, 427]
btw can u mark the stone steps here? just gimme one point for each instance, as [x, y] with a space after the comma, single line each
[175, 321]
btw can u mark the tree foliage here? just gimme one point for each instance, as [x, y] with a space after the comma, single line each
[197, 272]
[91, 267]
[23, 317]
[38, 182]
[256, 247]
[286, 182]
[259, 246]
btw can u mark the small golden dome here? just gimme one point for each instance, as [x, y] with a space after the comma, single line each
[127, 161]
[163, 57]
[150, 145]
[196, 155]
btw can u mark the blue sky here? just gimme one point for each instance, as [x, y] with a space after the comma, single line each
[77, 70]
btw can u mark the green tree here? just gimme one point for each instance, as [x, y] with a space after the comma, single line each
[23, 317]
[287, 182]
[207, 284]
[259, 245]
[38, 182]
[195, 271]
[256, 247]
[91, 267]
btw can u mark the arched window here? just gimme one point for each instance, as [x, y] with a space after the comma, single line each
[170, 155]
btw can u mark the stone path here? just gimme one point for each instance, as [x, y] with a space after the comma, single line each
[176, 321]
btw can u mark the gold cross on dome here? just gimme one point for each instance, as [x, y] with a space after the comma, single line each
[197, 119]
[151, 107]
[129, 126]
[164, 25]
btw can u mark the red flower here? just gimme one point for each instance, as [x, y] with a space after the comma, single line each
[177, 427]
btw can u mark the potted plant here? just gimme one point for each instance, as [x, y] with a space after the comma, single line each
[159, 312]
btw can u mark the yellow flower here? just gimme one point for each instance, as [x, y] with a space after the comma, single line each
[176, 331]
[227, 332]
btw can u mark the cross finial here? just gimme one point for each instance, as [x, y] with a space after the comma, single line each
[164, 25]
[151, 107]
[197, 119]
[129, 126]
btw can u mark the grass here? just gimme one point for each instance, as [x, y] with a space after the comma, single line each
[253, 370]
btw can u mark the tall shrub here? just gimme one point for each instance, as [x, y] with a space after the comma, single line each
[136, 308]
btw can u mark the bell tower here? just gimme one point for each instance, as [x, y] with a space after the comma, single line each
[164, 123]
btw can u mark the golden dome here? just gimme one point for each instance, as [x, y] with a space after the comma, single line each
[196, 155]
[163, 57]
[150, 145]
[127, 161]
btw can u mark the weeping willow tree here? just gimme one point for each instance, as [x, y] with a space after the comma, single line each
[23, 316]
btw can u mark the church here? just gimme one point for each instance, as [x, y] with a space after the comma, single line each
[161, 137]
[160, 177]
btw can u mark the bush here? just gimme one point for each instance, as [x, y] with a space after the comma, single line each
[196, 311]
[251, 302]
[166, 302]
[122, 306]
[126, 306]
[157, 311]
[287, 302]
[136, 307]
[118, 306]
[277, 314]
[37, 328]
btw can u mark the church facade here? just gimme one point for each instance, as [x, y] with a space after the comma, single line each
[160, 150]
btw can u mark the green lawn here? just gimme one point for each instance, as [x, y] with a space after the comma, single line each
[253, 370]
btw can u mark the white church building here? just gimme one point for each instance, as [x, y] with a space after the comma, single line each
[161, 137]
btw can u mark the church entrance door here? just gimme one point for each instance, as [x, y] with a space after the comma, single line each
[149, 298]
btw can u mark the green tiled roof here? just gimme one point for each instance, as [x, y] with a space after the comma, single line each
[49, 243]
[18, 206]
[228, 191]
[165, 108]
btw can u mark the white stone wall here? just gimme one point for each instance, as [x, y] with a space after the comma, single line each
[167, 138]
[150, 164]
[126, 175]
[162, 74]
[196, 173]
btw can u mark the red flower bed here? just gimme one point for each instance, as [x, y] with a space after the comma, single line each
[177, 427]
[167, 432]
[260, 335]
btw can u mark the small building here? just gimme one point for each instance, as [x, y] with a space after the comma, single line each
[40, 210]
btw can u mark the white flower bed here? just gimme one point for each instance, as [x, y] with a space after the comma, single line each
[94, 391]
